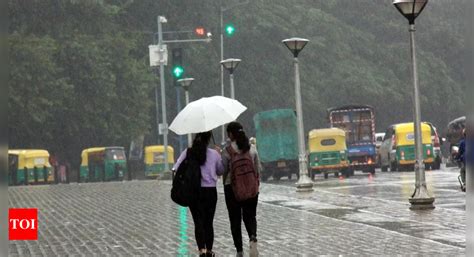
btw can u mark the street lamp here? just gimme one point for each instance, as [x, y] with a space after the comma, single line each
[230, 65]
[304, 184]
[185, 83]
[421, 199]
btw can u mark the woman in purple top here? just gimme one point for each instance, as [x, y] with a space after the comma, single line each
[203, 213]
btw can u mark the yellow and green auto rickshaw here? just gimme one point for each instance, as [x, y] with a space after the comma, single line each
[398, 148]
[103, 164]
[155, 159]
[328, 152]
[29, 167]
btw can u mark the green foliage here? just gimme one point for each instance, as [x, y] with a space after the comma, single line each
[80, 76]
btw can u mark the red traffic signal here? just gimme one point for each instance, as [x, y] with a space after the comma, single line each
[200, 31]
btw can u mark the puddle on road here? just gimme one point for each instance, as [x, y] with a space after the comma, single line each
[357, 215]
[336, 213]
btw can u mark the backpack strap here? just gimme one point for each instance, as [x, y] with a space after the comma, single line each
[231, 151]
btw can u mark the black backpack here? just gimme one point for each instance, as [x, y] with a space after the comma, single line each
[187, 182]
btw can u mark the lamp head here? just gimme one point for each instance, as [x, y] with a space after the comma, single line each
[410, 8]
[185, 83]
[231, 64]
[295, 44]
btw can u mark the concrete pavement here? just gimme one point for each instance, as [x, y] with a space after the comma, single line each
[362, 215]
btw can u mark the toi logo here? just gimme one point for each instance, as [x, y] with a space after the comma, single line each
[23, 224]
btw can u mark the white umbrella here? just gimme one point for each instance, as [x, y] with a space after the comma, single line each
[206, 114]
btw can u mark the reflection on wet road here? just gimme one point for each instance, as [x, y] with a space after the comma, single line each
[183, 232]
[382, 201]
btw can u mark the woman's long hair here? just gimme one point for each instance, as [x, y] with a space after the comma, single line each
[238, 133]
[199, 148]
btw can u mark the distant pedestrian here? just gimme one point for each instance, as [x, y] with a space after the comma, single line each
[461, 156]
[204, 209]
[246, 210]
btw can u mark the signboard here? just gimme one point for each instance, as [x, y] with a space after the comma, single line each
[162, 128]
[156, 55]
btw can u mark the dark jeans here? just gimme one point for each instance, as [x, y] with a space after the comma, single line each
[203, 217]
[246, 210]
[463, 173]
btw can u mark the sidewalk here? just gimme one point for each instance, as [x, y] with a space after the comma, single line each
[138, 218]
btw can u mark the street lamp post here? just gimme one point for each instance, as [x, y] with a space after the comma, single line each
[185, 84]
[230, 65]
[304, 184]
[421, 198]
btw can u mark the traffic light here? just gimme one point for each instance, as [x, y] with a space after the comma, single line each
[229, 30]
[177, 69]
[200, 31]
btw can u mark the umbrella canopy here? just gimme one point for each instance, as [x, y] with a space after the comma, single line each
[206, 114]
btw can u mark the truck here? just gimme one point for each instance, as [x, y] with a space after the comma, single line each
[277, 145]
[358, 121]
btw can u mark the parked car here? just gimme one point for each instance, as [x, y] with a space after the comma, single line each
[398, 148]
[328, 152]
[102, 164]
[29, 167]
[155, 160]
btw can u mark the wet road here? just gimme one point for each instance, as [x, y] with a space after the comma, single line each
[362, 215]
[394, 186]
[382, 201]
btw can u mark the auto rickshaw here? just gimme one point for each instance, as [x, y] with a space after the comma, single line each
[328, 152]
[398, 149]
[102, 164]
[29, 167]
[154, 159]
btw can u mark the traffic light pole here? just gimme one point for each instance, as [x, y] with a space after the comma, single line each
[222, 69]
[222, 10]
[178, 108]
[161, 47]
[163, 91]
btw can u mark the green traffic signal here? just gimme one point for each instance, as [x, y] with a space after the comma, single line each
[178, 71]
[229, 30]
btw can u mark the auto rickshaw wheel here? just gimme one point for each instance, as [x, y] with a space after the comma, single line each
[25, 176]
[326, 175]
[372, 170]
[393, 167]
